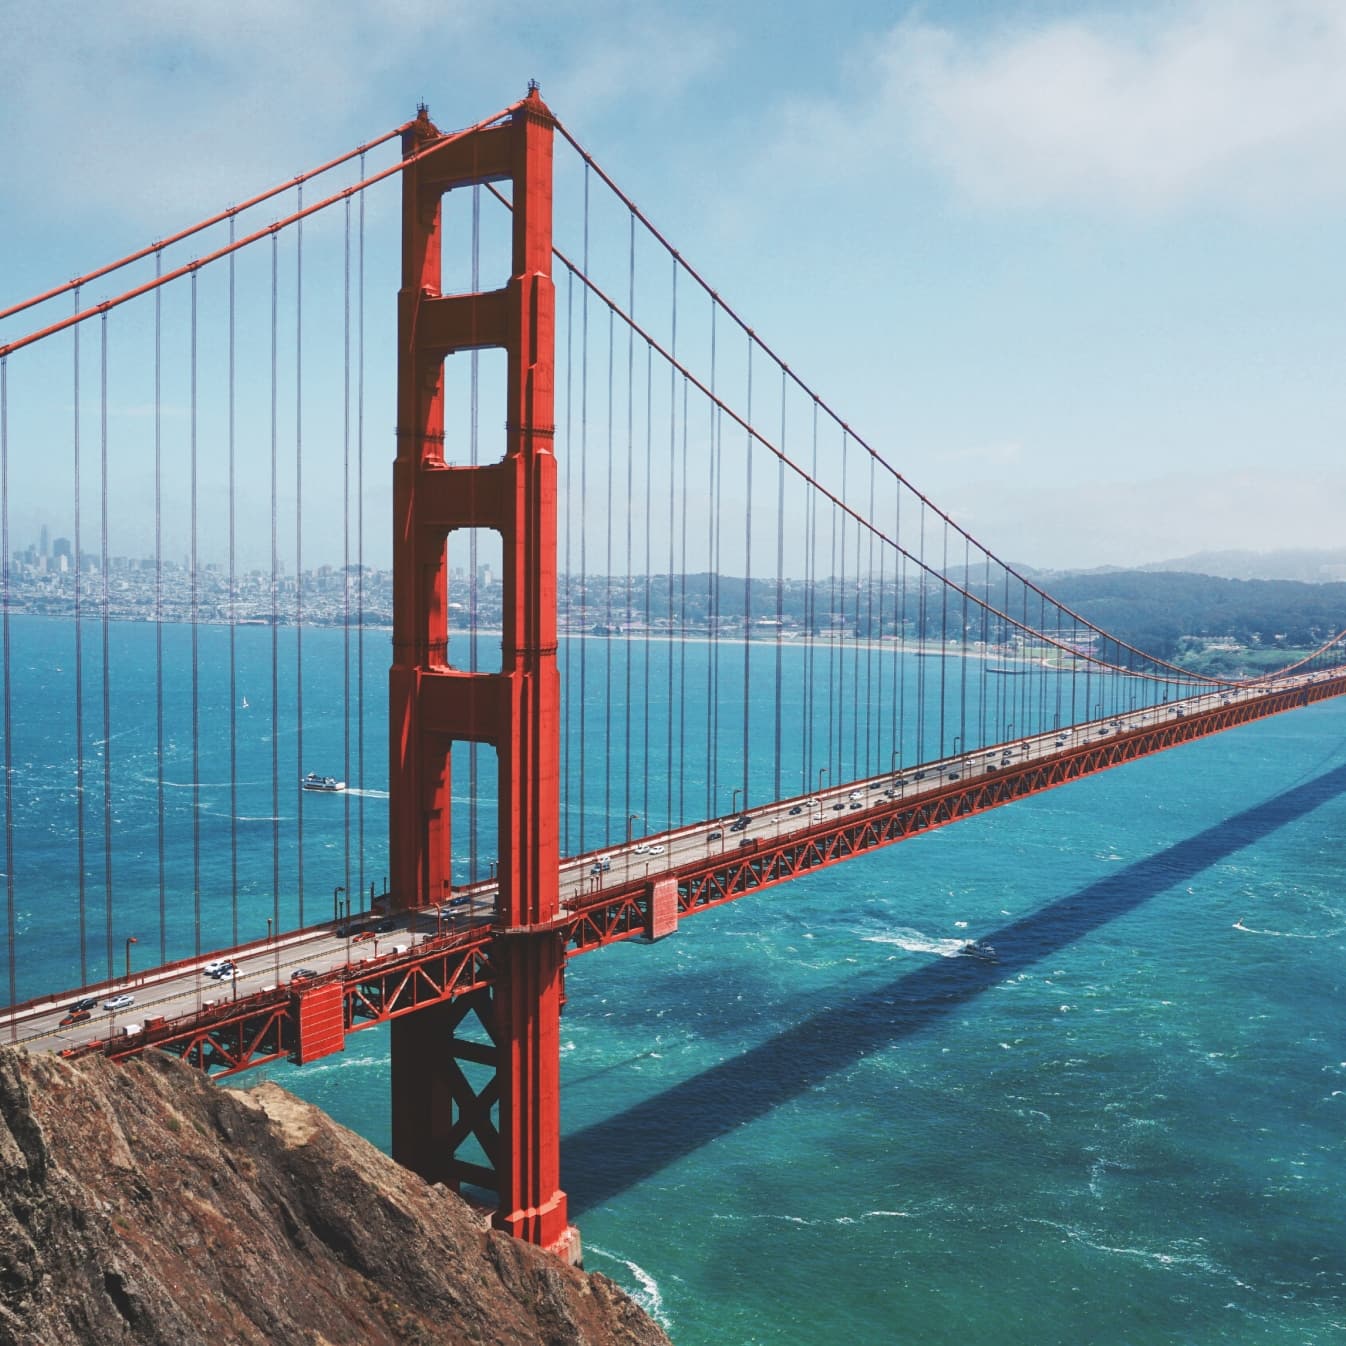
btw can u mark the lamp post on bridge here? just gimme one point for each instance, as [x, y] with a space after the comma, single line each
[822, 771]
[957, 743]
[733, 806]
[630, 818]
[895, 762]
[130, 939]
[336, 904]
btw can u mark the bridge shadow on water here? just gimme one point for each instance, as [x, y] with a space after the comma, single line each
[606, 1158]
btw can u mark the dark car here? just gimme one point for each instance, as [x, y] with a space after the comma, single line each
[714, 836]
[384, 926]
[747, 841]
[798, 808]
[88, 1003]
[303, 974]
[343, 931]
[738, 826]
[836, 808]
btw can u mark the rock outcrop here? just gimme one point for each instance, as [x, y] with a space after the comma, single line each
[142, 1204]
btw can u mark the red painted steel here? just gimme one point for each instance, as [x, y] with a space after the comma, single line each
[517, 710]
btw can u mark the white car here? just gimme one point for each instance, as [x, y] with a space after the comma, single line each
[117, 1002]
[640, 848]
[655, 849]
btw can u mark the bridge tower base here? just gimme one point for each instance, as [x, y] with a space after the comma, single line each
[476, 1083]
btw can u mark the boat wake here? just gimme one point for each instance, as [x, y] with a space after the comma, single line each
[913, 941]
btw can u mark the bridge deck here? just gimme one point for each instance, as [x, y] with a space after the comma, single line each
[382, 966]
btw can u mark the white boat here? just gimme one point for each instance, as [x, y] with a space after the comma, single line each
[328, 784]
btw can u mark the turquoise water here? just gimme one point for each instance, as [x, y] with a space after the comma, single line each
[803, 1119]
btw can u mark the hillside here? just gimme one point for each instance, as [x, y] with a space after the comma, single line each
[144, 1205]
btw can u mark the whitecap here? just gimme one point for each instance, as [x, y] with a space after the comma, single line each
[647, 1296]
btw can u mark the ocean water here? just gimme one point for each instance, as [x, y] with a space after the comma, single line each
[805, 1119]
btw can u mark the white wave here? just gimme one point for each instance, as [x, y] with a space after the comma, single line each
[1285, 934]
[647, 1296]
[369, 794]
[1178, 1258]
[915, 942]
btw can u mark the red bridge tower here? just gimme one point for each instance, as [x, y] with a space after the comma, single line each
[436, 1109]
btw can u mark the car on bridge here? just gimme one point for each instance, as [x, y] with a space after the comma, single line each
[75, 1016]
[117, 1002]
[714, 836]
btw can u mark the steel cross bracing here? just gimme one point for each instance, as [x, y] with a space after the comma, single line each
[311, 1020]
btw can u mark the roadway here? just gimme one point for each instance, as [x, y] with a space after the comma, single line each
[185, 988]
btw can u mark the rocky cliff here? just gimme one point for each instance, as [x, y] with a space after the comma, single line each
[144, 1205]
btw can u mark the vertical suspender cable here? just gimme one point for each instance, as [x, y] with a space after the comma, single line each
[630, 497]
[943, 633]
[886, 705]
[567, 688]
[346, 545]
[583, 505]
[196, 651]
[777, 790]
[963, 647]
[869, 623]
[159, 608]
[607, 600]
[275, 589]
[747, 598]
[682, 606]
[360, 545]
[713, 586]
[833, 726]
[841, 652]
[11, 931]
[810, 607]
[79, 685]
[233, 619]
[106, 618]
[900, 644]
[646, 772]
[921, 639]
[982, 739]
[672, 446]
[299, 551]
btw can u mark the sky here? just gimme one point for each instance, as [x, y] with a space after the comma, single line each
[1073, 268]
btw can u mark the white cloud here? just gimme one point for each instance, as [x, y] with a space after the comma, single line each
[1238, 101]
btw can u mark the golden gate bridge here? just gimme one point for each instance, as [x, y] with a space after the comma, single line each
[648, 478]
